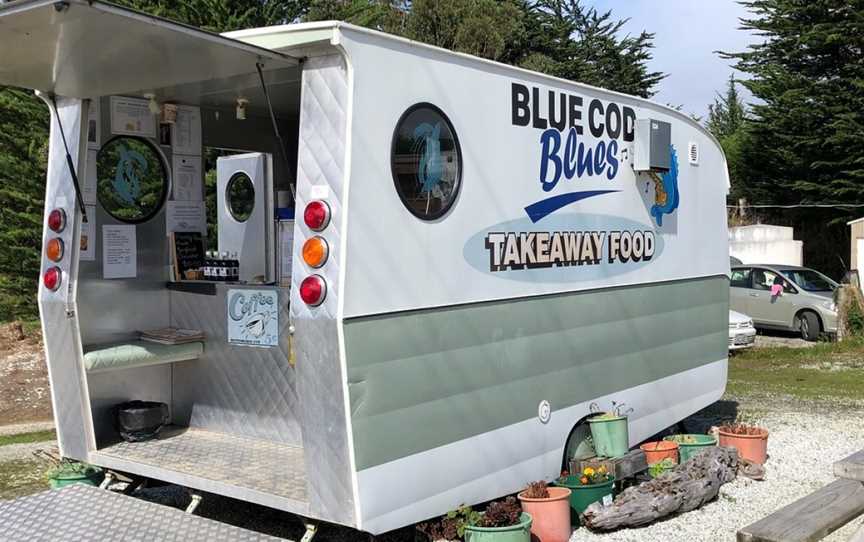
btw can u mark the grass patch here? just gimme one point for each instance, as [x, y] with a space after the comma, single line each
[21, 477]
[825, 371]
[28, 438]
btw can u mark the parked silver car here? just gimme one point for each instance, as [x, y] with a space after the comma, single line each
[805, 304]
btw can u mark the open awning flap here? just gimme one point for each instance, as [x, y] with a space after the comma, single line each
[84, 49]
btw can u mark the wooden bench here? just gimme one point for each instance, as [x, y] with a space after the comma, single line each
[818, 514]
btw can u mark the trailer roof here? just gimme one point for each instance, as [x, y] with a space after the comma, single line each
[284, 37]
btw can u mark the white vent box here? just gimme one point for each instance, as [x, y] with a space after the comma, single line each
[651, 146]
[693, 153]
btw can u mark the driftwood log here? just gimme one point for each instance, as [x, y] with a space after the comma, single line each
[684, 488]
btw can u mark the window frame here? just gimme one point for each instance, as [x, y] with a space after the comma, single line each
[445, 209]
[749, 273]
[166, 180]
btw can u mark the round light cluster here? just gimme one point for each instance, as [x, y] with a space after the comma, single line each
[55, 249]
[316, 216]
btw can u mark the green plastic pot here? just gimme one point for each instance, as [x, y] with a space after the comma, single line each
[581, 496]
[521, 532]
[610, 435]
[690, 445]
[91, 477]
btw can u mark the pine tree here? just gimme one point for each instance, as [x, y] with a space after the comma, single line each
[23, 158]
[728, 113]
[582, 44]
[807, 73]
[727, 121]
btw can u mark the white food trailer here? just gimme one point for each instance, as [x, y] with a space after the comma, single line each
[479, 253]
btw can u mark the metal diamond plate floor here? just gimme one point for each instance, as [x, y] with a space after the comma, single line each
[269, 467]
[87, 514]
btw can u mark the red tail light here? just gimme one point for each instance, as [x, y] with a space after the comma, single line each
[317, 215]
[52, 278]
[57, 220]
[313, 290]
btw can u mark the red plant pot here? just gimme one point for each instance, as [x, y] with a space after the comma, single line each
[551, 515]
[656, 452]
[751, 447]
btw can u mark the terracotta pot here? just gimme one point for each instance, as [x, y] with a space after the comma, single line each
[656, 452]
[751, 447]
[551, 515]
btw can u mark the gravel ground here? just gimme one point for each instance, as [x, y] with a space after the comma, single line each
[802, 447]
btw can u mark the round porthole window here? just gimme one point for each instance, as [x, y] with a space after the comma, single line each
[426, 161]
[132, 179]
[240, 197]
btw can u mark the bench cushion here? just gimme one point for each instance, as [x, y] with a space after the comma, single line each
[138, 354]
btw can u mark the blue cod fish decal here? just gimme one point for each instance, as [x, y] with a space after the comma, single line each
[431, 169]
[666, 190]
[130, 168]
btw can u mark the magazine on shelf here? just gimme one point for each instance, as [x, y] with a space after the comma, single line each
[172, 335]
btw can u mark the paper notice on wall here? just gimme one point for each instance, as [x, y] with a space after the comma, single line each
[286, 251]
[88, 190]
[131, 116]
[186, 216]
[94, 127]
[119, 252]
[88, 235]
[187, 178]
[186, 131]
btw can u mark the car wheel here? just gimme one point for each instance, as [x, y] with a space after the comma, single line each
[808, 325]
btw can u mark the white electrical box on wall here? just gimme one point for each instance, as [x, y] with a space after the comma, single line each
[651, 145]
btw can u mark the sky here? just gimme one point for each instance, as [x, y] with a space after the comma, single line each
[687, 32]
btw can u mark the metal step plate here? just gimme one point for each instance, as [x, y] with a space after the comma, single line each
[87, 514]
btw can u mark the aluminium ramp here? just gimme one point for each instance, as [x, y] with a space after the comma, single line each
[87, 514]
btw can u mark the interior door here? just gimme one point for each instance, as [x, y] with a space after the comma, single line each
[244, 196]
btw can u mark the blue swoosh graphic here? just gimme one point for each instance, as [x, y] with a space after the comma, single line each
[537, 211]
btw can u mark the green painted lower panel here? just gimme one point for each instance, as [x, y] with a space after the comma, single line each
[423, 379]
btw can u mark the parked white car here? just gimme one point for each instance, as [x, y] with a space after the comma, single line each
[742, 334]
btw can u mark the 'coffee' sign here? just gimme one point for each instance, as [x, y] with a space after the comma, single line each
[253, 317]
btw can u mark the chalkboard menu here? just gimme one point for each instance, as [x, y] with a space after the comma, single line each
[187, 249]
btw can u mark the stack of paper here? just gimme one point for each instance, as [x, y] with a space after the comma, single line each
[172, 335]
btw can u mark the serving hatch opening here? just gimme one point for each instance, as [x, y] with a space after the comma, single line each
[83, 49]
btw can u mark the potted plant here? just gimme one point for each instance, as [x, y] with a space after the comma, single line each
[62, 472]
[590, 486]
[656, 452]
[661, 466]
[549, 508]
[609, 431]
[450, 526]
[502, 521]
[690, 445]
[750, 441]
